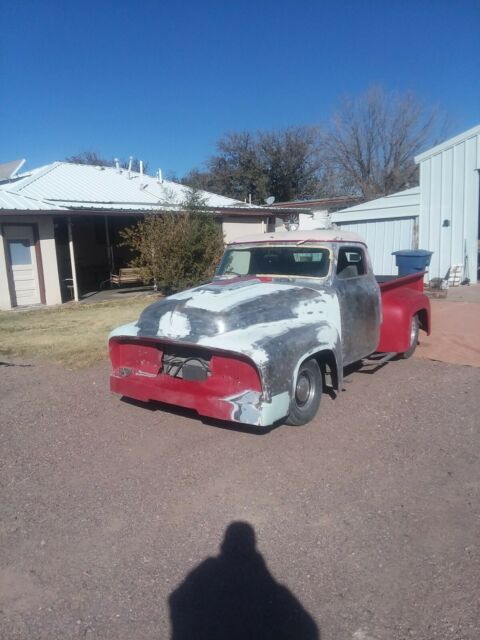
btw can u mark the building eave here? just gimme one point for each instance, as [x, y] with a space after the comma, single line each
[451, 142]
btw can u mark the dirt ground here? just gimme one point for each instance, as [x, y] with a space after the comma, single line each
[124, 522]
[455, 328]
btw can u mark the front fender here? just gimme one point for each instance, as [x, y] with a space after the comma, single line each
[285, 354]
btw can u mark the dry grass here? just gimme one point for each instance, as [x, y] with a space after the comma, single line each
[74, 335]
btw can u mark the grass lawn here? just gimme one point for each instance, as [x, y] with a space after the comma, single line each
[75, 335]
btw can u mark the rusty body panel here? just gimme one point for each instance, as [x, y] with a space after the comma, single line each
[273, 323]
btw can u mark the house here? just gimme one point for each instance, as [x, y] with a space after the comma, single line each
[60, 225]
[441, 215]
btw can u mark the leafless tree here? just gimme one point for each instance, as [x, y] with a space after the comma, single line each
[373, 139]
[285, 164]
[292, 162]
[93, 158]
[90, 157]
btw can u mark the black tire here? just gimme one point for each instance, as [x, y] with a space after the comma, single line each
[307, 394]
[414, 330]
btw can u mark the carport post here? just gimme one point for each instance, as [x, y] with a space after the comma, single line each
[72, 260]
[111, 262]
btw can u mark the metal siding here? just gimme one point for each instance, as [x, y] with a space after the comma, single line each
[383, 237]
[435, 212]
[424, 220]
[471, 211]
[450, 191]
[445, 212]
[458, 179]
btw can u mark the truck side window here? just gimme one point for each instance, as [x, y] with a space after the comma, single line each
[350, 263]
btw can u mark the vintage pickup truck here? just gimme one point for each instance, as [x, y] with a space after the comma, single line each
[285, 312]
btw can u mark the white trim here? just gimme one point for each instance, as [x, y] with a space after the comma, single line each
[72, 260]
[471, 133]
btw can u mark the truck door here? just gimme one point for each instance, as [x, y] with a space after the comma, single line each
[359, 298]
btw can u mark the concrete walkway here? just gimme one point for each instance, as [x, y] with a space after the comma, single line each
[115, 294]
[455, 334]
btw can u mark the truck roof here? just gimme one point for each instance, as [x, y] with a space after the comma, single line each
[315, 235]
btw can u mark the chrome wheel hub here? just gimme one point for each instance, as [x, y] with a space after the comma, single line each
[303, 389]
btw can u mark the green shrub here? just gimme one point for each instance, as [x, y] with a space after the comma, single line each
[179, 249]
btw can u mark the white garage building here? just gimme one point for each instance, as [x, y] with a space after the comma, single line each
[387, 224]
[441, 215]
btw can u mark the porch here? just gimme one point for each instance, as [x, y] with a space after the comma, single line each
[89, 250]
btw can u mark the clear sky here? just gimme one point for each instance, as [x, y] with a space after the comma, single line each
[163, 80]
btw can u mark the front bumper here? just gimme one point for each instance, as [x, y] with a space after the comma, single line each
[246, 407]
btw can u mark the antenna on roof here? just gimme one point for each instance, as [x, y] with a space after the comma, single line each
[9, 170]
[130, 160]
[270, 200]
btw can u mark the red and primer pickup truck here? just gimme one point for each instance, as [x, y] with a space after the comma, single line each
[285, 312]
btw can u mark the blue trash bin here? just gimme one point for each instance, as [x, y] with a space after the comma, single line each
[412, 260]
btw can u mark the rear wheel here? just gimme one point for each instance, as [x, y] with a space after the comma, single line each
[308, 393]
[414, 330]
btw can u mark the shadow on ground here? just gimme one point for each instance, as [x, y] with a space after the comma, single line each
[233, 596]
[191, 413]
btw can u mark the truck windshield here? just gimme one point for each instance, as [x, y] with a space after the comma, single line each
[290, 260]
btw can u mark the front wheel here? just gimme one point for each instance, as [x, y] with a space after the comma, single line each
[414, 330]
[307, 395]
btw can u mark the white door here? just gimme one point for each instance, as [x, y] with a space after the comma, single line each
[23, 268]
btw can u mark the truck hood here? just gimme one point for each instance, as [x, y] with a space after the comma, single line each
[235, 315]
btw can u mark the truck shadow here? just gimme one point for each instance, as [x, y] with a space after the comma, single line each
[193, 415]
[233, 596]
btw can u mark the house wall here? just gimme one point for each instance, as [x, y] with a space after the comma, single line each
[235, 227]
[449, 203]
[48, 253]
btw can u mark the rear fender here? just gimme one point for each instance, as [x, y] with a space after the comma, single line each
[398, 308]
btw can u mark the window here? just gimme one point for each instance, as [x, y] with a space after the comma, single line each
[20, 253]
[236, 263]
[351, 263]
[307, 262]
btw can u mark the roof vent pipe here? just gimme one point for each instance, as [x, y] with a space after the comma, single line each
[117, 165]
[141, 169]
[159, 176]
[130, 160]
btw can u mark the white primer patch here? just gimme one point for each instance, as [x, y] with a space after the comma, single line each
[307, 313]
[173, 325]
[125, 330]
[249, 409]
[228, 297]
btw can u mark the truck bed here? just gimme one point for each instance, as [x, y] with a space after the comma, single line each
[412, 281]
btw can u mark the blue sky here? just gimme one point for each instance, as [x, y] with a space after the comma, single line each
[163, 80]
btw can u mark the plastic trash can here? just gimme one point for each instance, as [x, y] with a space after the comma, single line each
[412, 260]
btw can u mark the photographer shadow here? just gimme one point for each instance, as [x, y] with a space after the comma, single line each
[233, 596]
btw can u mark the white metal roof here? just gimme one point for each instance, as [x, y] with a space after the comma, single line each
[471, 133]
[76, 186]
[403, 204]
[16, 202]
[315, 235]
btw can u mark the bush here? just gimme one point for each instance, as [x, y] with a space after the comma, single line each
[176, 250]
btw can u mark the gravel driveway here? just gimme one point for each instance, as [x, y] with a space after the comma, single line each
[119, 520]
